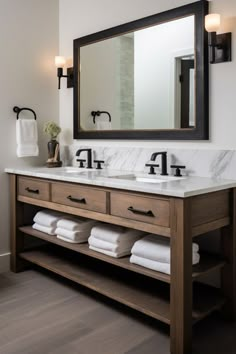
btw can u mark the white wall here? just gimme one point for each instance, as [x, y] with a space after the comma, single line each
[155, 50]
[28, 42]
[79, 18]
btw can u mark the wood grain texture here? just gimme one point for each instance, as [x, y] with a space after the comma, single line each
[16, 236]
[228, 273]
[95, 199]
[26, 185]
[181, 277]
[136, 291]
[138, 225]
[208, 263]
[210, 207]
[120, 202]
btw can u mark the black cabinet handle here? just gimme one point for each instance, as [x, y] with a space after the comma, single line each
[35, 191]
[141, 212]
[76, 200]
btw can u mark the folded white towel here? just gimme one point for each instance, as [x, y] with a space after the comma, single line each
[155, 248]
[114, 234]
[69, 240]
[112, 247]
[148, 263]
[109, 253]
[157, 266]
[27, 137]
[75, 224]
[73, 235]
[45, 229]
[103, 124]
[47, 218]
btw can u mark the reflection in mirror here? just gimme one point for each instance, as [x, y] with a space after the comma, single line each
[142, 80]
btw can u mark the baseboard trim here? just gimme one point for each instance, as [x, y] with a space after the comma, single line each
[4, 262]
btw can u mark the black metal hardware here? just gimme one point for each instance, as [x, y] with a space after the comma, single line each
[98, 113]
[152, 168]
[220, 47]
[163, 161]
[178, 170]
[141, 212]
[70, 77]
[99, 162]
[76, 200]
[18, 110]
[35, 191]
[89, 154]
[81, 163]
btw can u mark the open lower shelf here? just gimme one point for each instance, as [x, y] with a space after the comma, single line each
[136, 291]
[207, 264]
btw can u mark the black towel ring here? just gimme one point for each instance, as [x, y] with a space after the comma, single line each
[95, 114]
[18, 110]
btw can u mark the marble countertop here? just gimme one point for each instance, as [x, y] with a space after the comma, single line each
[180, 187]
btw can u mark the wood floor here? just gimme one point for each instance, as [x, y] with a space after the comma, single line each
[44, 314]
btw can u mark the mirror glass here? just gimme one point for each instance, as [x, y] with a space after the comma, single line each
[141, 80]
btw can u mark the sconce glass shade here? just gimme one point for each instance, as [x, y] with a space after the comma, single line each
[60, 61]
[212, 22]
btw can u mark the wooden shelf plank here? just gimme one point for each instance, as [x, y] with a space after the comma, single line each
[207, 264]
[125, 291]
[152, 299]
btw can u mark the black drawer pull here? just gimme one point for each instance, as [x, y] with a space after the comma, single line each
[35, 191]
[76, 200]
[141, 212]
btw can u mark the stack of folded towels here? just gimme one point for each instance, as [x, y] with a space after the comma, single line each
[46, 221]
[74, 229]
[114, 241]
[153, 252]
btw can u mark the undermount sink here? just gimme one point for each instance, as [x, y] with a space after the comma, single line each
[143, 179]
[74, 170]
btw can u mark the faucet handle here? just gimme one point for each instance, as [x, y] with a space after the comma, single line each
[178, 170]
[99, 164]
[152, 168]
[81, 163]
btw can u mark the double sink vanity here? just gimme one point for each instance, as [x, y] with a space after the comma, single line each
[179, 208]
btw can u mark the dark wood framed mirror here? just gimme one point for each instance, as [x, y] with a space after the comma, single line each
[146, 79]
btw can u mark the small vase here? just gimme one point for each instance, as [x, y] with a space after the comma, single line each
[53, 154]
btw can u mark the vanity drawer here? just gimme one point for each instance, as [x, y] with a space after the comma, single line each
[79, 197]
[33, 188]
[146, 209]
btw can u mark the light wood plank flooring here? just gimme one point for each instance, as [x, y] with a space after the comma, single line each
[44, 314]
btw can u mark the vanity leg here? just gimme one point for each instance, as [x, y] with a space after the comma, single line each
[228, 273]
[181, 277]
[17, 238]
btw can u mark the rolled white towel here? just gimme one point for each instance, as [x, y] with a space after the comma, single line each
[47, 218]
[155, 248]
[66, 239]
[109, 253]
[45, 229]
[75, 224]
[112, 247]
[73, 235]
[115, 234]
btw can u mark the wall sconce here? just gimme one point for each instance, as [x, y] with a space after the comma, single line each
[220, 44]
[60, 63]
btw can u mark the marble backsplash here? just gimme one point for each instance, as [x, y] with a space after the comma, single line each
[205, 163]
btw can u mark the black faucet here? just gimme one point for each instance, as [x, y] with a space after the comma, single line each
[163, 161]
[89, 155]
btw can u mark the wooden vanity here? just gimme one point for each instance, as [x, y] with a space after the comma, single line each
[179, 300]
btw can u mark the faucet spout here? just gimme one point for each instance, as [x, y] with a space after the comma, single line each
[163, 161]
[89, 156]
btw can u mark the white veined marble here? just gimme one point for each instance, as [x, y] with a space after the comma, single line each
[205, 163]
